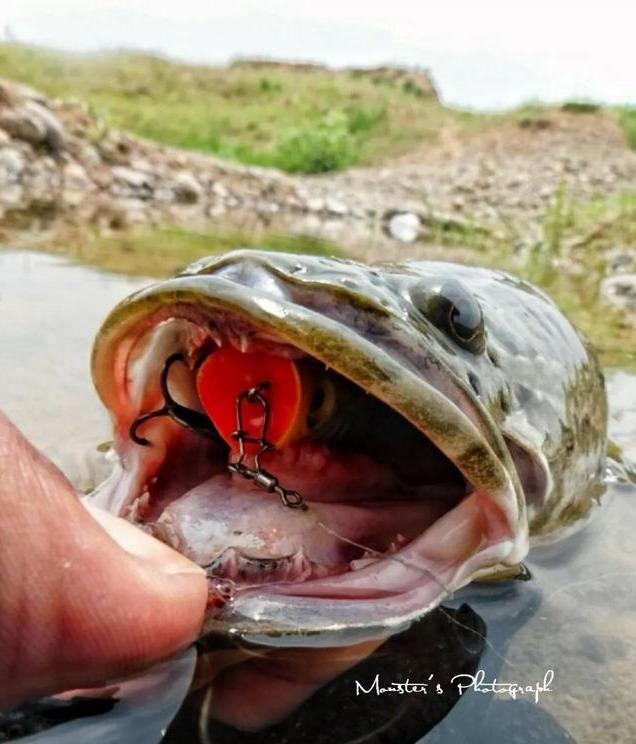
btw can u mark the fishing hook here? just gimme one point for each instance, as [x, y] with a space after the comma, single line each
[192, 420]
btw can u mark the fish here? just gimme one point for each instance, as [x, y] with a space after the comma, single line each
[343, 446]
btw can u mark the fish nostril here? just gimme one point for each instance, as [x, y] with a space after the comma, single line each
[492, 355]
[474, 383]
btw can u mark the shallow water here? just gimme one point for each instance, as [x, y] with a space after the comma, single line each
[576, 617]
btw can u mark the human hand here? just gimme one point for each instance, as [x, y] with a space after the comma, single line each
[85, 597]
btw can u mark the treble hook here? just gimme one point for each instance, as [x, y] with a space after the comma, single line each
[192, 420]
[261, 477]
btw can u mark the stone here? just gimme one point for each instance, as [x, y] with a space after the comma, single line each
[220, 190]
[405, 227]
[621, 261]
[77, 186]
[131, 183]
[12, 165]
[337, 207]
[42, 183]
[11, 195]
[75, 177]
[315, 204]
[187, 189]
[33, 123]
[620, 293]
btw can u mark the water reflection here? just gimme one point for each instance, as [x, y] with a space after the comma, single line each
[318, 695]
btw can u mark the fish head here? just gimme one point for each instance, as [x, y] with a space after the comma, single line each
[406, 486]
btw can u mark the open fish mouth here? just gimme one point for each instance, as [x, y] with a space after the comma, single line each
[375, 493]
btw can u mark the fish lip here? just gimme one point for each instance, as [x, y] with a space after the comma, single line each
[482, 462]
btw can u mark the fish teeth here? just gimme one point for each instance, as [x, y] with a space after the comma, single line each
[225, 565]
[301, 566]
[398, 543]
[234, 565]
[244, 343]
[362, 563]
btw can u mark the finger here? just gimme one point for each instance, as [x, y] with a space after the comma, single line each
[82, 600]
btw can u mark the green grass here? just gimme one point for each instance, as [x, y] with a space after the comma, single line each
[296, 119]
[628, 120]
[580, 107]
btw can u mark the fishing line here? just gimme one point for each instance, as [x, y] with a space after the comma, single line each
[438, 581]
[384, 556]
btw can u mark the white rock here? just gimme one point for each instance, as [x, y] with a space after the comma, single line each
[316, 204]
[621, 261]
[405, 226]
[34, 123]
[620, 292]
[133, 178]
[220, 190]
[75, 177]
[335, 206]
[187, 188]
[12, 165]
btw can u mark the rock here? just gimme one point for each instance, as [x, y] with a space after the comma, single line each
[12, 165]
[621, 261]
[75, 177]
[131, 183]
[33, 123]
[216, 210]
[620, 292]
[404, 226]
[11, 195]
[316, 204]
[42, 183]
[187, 189]
[76, 184]
[337, 207]
[218, 189]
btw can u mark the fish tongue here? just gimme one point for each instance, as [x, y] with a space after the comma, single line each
[223, 513]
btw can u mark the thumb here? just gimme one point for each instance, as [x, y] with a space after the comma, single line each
[84, 596]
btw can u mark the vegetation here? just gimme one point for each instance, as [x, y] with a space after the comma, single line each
[580, 107]
[628, 120]
[300, 119]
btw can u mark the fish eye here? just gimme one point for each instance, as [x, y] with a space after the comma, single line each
[454, 310]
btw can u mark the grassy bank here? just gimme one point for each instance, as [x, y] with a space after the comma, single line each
[299, 119]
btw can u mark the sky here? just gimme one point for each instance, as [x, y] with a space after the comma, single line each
[484, 54]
